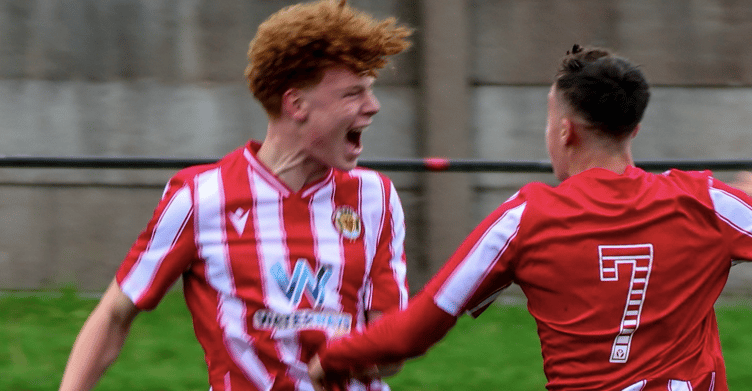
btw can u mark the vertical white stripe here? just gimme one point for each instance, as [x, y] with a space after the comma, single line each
[270, 241]
[732, 209]
[171, 223]
[371, 196]
[211, 236]
[371, 204]
[327, 244]
[397, 247]
[468, 275]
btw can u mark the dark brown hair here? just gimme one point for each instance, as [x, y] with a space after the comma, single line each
[294, 46]
[606, 90]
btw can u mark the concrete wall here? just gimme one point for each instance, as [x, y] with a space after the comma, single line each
[164, 78]
[686, 42]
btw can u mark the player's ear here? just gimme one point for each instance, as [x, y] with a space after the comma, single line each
[295, 105]
[568, 131]
[635, 131]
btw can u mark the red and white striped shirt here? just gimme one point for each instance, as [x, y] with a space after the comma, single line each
[270, 274]
[621, 273]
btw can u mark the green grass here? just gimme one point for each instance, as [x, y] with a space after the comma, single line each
[37, 333]
[500, 350]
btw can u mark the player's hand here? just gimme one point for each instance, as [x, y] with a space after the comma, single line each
[320, 380]
[367, 375]
[387, 370]
[323, 381]
[743, 182]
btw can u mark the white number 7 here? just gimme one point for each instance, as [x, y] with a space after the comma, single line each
[640, 257]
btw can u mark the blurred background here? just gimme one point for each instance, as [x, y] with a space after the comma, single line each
[165, 78]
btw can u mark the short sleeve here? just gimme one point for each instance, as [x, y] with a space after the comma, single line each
[734, 208]
[483, 264]
[163, 250]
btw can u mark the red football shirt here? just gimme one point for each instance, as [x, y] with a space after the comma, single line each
[621, 273]
[270, 274]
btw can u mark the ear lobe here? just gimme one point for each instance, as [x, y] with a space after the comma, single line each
[294, 105]
[635, 131]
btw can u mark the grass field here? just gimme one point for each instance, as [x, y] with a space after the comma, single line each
[498, 351]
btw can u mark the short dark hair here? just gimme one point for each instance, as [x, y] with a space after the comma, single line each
[606, 90]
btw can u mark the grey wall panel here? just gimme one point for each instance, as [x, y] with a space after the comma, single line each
[696, 42]
[687, 123]
[701, 123]
[67, 236]
[126, 118]
[168, 40]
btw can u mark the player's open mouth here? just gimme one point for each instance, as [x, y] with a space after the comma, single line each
[353, 136]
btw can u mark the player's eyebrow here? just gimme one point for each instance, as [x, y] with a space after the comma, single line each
[354, 89]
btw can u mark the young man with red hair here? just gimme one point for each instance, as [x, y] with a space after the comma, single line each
[282, 244]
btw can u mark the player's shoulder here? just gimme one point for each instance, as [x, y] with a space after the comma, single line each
[530, 193]
[691, 181]
[681, 175]
[536, 190]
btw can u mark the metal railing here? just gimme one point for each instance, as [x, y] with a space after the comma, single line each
[434, 164]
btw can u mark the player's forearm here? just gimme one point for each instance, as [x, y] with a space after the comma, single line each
[384, 370]
[100, 340]
[393, 338]
[96, 348]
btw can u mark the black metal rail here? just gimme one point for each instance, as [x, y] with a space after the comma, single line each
[408, 164]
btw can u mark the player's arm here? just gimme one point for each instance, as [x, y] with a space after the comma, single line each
[732, 202]
[384, 370]
[100, 340]
[395, 337]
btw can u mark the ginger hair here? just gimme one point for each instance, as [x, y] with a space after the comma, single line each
[294, 47]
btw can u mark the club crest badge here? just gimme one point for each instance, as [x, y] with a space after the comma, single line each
[347, 222]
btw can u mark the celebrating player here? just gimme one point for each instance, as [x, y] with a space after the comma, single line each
[620, 267]
[284, 244]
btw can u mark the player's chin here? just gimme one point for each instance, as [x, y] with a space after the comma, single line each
[348, 165]
[347, 162]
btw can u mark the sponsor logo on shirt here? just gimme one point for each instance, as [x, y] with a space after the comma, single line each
[332, 322]
[347, 222]
[303, 280]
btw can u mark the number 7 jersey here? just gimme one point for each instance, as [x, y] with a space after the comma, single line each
[621, 273]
